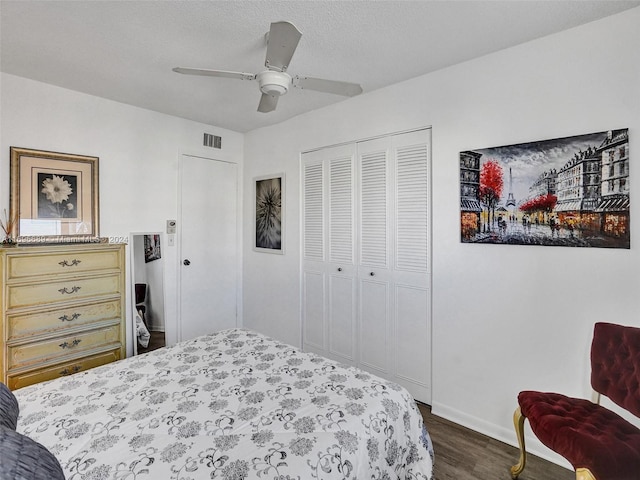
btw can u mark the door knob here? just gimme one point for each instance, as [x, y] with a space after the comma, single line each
[186, 261]
[339, 269]
[373, 274]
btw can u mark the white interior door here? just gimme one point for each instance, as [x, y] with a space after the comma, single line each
[208, 246]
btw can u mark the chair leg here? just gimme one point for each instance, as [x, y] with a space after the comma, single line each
[584, 474]
[518, 423]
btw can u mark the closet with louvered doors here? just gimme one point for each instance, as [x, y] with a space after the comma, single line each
[366, 277]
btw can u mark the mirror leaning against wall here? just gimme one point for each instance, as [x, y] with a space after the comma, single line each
[147, 291]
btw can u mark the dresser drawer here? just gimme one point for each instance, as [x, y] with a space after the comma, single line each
[61, 291]
[36, 323]
[48, 350]
[60, 370]
[72, 262]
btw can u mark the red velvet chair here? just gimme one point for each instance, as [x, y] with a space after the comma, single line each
[599, 443]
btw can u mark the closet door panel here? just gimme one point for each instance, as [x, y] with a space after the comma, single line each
[411, 263]
[314, 310]
[342, 316]
[374, 203]
[313, 209]
[342, 269]
[411, 203]
[341, 214]
[313, 251]
[329, 246]
[374, 325]
[412, 353]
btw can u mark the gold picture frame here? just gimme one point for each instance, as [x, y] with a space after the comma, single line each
[54, 197]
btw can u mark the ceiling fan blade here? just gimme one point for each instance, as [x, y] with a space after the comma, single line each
[267, 103]
[328, 86]
[215, 73]
[283, 41]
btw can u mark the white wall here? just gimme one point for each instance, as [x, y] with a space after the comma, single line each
[139, 152]
[505, 318]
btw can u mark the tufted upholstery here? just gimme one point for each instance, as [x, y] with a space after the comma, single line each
[586, 434]
[615, 364]
[591, 437]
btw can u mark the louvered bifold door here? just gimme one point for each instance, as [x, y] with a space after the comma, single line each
[329, 258]
[313, 253]
[366, 259]
[341, 275]
[374, 255]
[411, 296]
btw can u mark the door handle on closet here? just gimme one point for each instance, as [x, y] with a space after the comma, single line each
[339, 269]
[373, 274]
[186, 262]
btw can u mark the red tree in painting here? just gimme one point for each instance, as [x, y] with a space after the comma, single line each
[543, 203]
[491, 184]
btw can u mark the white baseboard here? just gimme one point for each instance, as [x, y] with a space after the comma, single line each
[508, 436]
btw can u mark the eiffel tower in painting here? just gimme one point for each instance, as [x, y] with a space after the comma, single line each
[511, 201]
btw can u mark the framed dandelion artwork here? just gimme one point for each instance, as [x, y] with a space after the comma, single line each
[269, 220]
[54, 196]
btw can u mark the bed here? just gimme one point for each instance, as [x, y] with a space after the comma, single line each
[142, 332]
[231, 405]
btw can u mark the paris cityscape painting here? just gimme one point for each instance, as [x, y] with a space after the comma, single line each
[571, 191]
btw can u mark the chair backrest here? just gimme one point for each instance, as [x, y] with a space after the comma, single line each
[141, 292]
[615, 364]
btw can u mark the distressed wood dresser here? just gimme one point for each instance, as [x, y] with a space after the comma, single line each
[62, 310]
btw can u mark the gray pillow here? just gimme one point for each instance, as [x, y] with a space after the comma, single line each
[8, 408]
[25, 459]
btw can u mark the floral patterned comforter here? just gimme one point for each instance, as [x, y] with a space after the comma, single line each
[232, 405]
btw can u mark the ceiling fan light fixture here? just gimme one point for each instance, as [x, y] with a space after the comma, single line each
[274, 83]
[283, 38]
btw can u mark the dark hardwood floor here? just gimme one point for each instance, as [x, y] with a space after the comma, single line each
[462, 454]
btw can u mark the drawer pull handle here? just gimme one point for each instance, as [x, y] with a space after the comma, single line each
[69, 371]
[73, 317]
[73, 263]
[70, 345]
[64, 290]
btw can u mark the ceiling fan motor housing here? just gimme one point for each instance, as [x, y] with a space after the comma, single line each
[274, 83]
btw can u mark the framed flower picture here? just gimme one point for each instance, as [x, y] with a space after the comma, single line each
[269, 220]
[54, 196]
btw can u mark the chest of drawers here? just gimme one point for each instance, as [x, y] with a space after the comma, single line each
[62, 310]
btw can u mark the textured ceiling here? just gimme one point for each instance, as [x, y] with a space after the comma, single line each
[125, 50]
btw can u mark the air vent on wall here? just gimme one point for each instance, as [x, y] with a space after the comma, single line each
[213, 141]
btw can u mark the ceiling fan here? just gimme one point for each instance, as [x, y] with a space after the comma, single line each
[283, 38]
